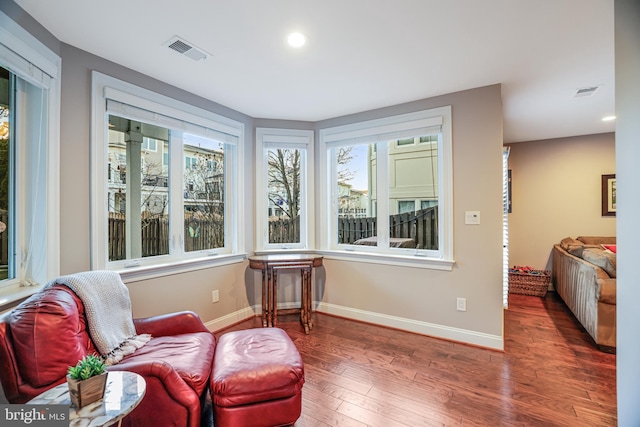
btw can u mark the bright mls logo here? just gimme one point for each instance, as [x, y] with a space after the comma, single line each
[34, 415]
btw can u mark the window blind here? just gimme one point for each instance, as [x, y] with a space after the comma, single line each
[185, 122]
[383, 132]
[38, 69]
[505, 227]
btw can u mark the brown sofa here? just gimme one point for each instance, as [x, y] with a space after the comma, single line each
[584, 275]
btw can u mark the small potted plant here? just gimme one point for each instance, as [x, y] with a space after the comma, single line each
[87, 380]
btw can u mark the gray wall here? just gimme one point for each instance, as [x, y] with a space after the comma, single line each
[556, 193]
[627, 19]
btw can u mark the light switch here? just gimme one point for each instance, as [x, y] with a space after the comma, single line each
[472, 217]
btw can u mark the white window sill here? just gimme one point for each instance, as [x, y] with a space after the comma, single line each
[136, 274]
[389, 259]
[13, 294]
[286, 251]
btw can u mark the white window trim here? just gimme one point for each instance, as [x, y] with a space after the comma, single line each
[389, 126]
[32, 61]
[104, 87]
[285, 138]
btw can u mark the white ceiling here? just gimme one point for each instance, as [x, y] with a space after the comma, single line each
[363, 54]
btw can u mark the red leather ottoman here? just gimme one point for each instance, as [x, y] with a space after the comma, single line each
[257, 379]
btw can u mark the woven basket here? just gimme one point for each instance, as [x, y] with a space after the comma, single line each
[535, 283]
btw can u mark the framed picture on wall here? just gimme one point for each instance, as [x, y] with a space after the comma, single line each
[609, 195]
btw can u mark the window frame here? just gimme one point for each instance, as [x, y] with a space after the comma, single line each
[267, 138]
[381, 131]
[33, 62]
[105, 87]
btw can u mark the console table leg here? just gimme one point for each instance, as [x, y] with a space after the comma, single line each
[265, 307]
[274, 303]
[309, 299]
[303, 320]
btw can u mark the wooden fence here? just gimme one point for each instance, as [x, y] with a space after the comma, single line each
[199, 234]
[421, 226]
[205, 233]
[284, 230]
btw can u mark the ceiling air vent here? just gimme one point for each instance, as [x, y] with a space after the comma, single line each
[585, 91]
[183, 47]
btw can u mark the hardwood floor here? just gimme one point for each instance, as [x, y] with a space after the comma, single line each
[550, 374]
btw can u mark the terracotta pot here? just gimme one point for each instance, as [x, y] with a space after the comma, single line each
[84, 392]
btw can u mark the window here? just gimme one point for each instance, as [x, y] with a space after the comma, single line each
[29, 141]
[388, 187]
[7, 176]
[168, 204]
[190, 162]
[149, 144]
[405, 206]
[284, 188]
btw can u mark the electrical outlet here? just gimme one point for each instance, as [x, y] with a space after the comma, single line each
[215, 296]
[461, 304]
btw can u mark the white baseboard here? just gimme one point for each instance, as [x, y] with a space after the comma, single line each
[231, 318]
[438, 331]
[245, 313]
[430, 329]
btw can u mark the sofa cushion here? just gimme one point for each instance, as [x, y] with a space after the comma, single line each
[601, 258]
[48, 335]
[573, 246]
[597, 240]
[606, 291]
[185, 353]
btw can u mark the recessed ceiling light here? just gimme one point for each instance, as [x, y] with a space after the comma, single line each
[296, 39]
[608, 118]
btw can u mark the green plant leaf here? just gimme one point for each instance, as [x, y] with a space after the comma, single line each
[87, 367]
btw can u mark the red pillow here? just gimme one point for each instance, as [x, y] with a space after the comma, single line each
[611, 248]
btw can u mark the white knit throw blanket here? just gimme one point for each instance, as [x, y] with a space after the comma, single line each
[108, 310]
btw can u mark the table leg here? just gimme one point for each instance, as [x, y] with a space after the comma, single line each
[303, 298]
[265, 292]
[309, 298]
[274, 293]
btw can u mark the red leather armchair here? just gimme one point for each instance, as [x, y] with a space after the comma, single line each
[47, 333]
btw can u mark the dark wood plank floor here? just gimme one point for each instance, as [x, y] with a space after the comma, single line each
[551, 373]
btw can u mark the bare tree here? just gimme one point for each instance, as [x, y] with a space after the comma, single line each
[344, 156]
[204, 197]
[284, 177]
[284, 180]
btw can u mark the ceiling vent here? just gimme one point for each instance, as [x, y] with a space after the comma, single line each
[183, 47]
[585, 91]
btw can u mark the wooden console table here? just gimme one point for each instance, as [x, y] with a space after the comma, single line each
[270, 265]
